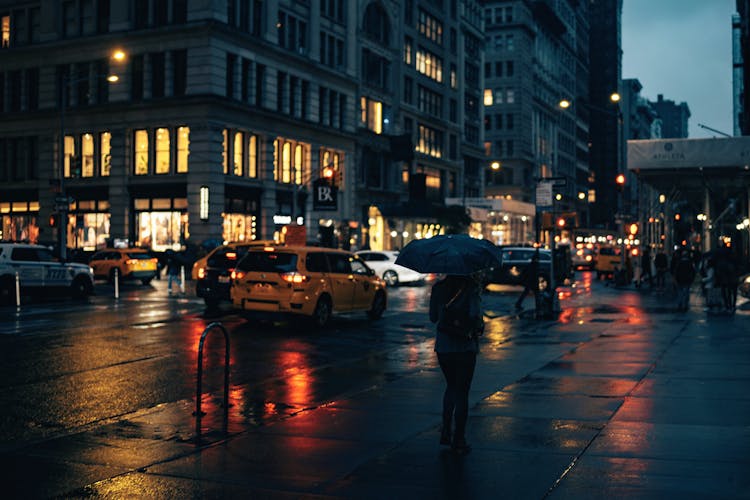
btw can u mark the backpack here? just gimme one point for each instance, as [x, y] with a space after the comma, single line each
[456, 320]
[684, 271]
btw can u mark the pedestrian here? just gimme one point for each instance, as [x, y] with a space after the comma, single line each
[660, 263]
[683, 272]
[725, 277]
[174, 264]
[646, 267]
[457, 355]
[530, 280]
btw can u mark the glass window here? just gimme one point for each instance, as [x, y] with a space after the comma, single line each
[87, 155]
[252, 159]
[70, 151]
[162, 151]
[224, 152]
[141, 152]
[5, 41]
[105, 150]
[237, 153]
[488, 97]
[316, 262]
[298, 165]
[268, 262]
[183, 149]
[339, 263]
[286, 163]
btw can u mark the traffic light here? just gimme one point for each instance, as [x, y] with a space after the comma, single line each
[633, 229]
[561, 222]
[54, 219]
[620, 182]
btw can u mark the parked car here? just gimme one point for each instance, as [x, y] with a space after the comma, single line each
[744, 287]
[212, 273]
[383, 262]
[39, 270]
[311, 282]
[515, 261]
[129, 263]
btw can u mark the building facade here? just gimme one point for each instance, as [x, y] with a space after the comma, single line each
[230, 120]
[741, 70]
[607, 151]
[674, 117]
[537, 55]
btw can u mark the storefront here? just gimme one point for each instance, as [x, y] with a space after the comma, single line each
[88, 225]
[161, 223]
[20, 221]
[391, 227]
[241, 215]
[500, 220]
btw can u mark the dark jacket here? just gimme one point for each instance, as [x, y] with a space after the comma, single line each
[442, 292]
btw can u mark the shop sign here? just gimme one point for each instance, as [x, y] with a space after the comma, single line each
[325, 195]
[295, 235]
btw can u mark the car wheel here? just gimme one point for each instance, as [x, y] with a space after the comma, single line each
[390, 278]
[81, 288]
[378, 306]
[322, 313]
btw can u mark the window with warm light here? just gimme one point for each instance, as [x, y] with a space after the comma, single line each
[141, 152]
[203, 204]
[372, 114]
[105, 151]
[252, 157]
[5, 41]
[408, 51]
[430, 141]
[183, 149]
[488, 97]
[430, 65]
[237, 163]
[286, 163]
[69, 153]
[87, 155]
[298, 163]
[162, 151]
[224, 150]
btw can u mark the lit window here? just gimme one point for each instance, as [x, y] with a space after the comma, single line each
[488, 97]
[224, 153]
[298, 166]
[105, 150]
[237, 153]
[87, 155]
[372, 114]
[70, 151]
[183, 149]
[286, 163]
[252, 157]
[162, 151]
[6, 32]
[141, 152]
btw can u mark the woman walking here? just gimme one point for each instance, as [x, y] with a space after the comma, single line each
[457, 352]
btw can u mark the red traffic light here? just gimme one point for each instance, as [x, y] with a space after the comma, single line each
[620, 179]
[53, 219]
[328, 172]
[561, 222]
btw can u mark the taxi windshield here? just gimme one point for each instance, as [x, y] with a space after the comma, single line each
[268, 262]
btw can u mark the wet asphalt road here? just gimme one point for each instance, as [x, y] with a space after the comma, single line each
[71, 365]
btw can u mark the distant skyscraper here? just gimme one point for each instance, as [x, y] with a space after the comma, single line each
[607, 145]
[741, 73]
[674, 118]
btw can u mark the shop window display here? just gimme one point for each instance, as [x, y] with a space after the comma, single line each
[239, 227]
[162, 230]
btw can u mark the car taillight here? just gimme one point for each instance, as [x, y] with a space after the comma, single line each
[201, 273]
[237, 275]
[131, 262]
[294, 277]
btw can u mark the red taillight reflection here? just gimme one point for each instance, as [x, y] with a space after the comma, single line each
[294, 278]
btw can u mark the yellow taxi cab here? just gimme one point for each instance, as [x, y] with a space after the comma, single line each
[212, 273]
[313, 282]
[130, 263]
[607, 261]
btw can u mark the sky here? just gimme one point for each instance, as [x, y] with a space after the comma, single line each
[683, 50]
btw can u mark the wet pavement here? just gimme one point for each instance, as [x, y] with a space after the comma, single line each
[619, 397]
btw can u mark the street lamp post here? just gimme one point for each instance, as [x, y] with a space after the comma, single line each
[62, 201]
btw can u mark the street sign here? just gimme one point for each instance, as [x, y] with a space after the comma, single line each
[544, 194]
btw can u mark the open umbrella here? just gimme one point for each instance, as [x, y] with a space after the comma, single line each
[449, 254]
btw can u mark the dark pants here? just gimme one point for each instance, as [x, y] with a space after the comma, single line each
[458, 369]
[526, 291]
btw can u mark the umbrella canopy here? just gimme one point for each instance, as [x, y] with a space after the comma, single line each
[450, 254]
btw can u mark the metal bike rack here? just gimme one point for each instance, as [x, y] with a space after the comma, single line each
[199, 389]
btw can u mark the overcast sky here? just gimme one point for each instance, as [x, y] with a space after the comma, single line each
[682, 49]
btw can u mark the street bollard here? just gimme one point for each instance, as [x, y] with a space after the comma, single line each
[182, 280]
[18, 291]
[117, 283]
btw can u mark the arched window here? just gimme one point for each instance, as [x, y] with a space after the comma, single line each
[375, 24]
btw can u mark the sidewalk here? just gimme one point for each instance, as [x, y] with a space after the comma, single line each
[606, 402]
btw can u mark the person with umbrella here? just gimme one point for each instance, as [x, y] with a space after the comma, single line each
[465, 261]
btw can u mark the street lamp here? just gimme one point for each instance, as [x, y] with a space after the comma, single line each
[62, 201]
